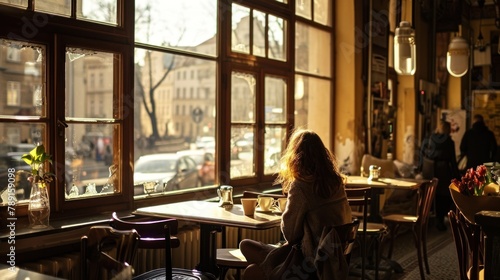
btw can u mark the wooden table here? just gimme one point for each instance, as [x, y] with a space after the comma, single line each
[379, 186]
[211, 218]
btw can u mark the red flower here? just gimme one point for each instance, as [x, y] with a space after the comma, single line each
[473, 181]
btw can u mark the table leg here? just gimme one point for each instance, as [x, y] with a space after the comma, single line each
[208, 249]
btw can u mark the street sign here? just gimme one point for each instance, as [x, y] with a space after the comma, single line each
[197, 115]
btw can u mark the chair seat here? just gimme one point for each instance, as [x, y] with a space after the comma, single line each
[228, 259]
[177, 273]
[373, 228]
[400, 218]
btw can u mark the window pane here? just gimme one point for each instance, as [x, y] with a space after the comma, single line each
[259, 27]
[56, 7]
[323, 12]
[18, 139]
[98, 10]
[89, 84]
[274, 142]
[23, 79]
[174, 105]
[313, 50]
[242, 148]
[240, 29]
[312, 105]
[242, 97]
[303, 8]
[275, 106]
[189, 25]
[17, 3]
[90, 163]
[276, 38]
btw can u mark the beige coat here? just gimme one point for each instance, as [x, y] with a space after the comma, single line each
[302, 223]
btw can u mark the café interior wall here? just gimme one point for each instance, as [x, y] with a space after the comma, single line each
[348, 140]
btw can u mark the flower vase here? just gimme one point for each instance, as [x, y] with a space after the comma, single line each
[39, 206]
[470, 205]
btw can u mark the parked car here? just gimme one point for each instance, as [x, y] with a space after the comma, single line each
[205, 163]
[170, 171]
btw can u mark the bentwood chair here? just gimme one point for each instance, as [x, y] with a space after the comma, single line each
[417, 222]
[370, 233]
[157, 234]
[467, 238]
[107, 253]
[489, 221]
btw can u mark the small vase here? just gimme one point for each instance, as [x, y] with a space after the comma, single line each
[39, 206]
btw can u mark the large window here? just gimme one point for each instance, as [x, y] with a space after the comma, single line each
[161, 100]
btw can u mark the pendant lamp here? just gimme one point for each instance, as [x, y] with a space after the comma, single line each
[457, 58]
[404, 49]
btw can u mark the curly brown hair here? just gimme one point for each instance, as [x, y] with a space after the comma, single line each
[307, 159]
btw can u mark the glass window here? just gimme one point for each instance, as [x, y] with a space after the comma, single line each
[57, 7]
[92, 130]
[104, 11]
[312, 50]
[265, 32]
[188, 25]
[188, 119]
[17, 3]
[243, 102]
[275, 120]
[23, 80]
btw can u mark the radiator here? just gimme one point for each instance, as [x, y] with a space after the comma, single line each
[186, 256]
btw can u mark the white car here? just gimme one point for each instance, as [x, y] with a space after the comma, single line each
[171, 172]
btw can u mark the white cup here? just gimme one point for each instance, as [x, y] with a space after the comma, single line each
[282, 203]
[266, 203]
[249, 205]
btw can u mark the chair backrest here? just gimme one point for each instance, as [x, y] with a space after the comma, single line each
[107, 250]
[426, 194]
[347, 234]
[155, 234]
[467, 244]
[361, 197]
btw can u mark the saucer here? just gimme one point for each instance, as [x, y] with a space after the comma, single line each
[277, 212]
[263, 211]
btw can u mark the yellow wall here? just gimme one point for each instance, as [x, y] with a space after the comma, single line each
[349, 93]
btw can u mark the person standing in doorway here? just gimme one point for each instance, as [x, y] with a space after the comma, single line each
[478, 144]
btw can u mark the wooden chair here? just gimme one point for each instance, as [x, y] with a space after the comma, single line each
[417, 222]
[157, 234]
[371, 233]
[106, 251]
[489, 221]
[467, 238]
[228, 258]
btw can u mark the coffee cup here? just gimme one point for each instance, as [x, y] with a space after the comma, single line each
[249, 205]
[266, 203]
[282, 203]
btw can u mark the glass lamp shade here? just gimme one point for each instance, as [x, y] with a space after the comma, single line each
[405, 49]
[457, 58]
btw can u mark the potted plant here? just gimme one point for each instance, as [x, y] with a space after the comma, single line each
[39, 203]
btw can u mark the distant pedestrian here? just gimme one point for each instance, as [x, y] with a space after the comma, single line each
[440, 148]
[478, 144]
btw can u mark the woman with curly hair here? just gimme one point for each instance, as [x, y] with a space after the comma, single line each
[316, 198]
